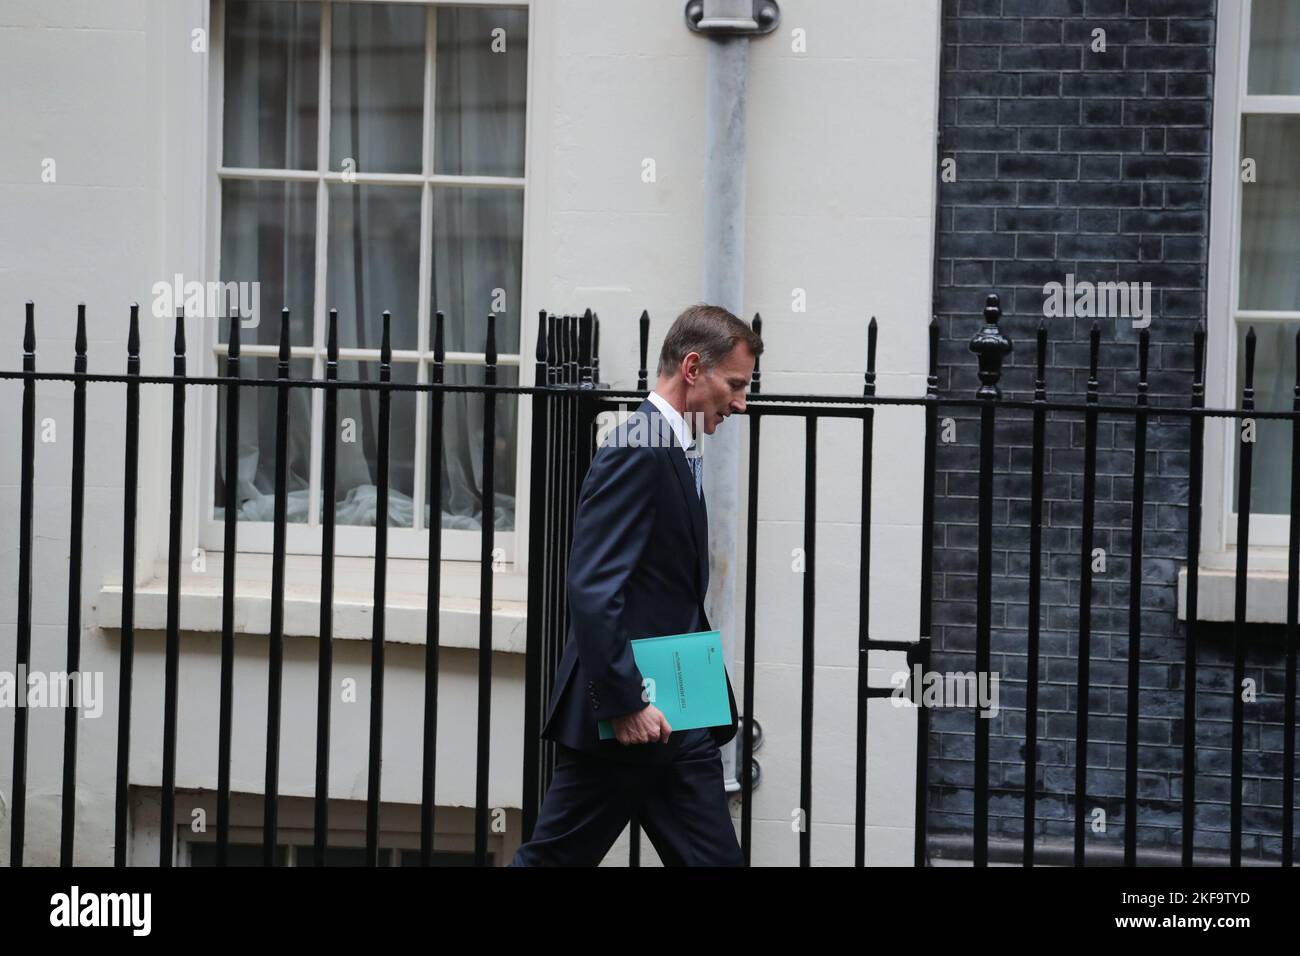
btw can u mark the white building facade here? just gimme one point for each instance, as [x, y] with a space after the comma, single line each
[156, 139]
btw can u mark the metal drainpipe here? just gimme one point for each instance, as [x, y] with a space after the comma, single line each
[728, 25]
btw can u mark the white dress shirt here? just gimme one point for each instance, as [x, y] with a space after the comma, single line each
[674, 419]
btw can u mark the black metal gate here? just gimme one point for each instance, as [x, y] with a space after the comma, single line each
[565, 427]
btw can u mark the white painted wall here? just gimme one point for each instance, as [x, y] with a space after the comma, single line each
[840, 177]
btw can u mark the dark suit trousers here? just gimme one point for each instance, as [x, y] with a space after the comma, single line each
[681, 806]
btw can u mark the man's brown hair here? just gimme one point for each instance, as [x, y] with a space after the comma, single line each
[709, 330]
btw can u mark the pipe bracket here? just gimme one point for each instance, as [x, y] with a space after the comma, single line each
[765, 18]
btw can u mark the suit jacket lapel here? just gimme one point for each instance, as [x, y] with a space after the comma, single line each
[694, 504]
[699, 520]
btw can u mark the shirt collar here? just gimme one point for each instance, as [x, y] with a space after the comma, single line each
[675, 420]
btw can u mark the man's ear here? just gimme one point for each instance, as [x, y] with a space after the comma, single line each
[691, 367]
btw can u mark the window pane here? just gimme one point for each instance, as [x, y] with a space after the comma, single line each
[443, 858]
[478, 264]
[268, 236]
[1274, 65]
[339, 855]
[272, 84]
[1270, 481]
[1270, 214]
[357, 448]
[238, 854]
[477, 268]
[374, 263]
[257, 451]
[377, 87]
[462, 452]
[482, 64]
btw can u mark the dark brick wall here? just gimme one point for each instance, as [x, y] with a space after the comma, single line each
[1096, 164]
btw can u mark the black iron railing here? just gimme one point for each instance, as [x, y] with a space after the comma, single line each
[232, 384]
[992, 346]
[567, 397]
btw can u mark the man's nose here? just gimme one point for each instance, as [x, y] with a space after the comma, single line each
[739, 404]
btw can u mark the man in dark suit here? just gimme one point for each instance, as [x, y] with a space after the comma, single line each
[639, 567]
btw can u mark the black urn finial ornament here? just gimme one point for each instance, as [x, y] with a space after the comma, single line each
[991, 347]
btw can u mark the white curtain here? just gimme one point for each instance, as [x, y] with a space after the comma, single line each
[268, 232]
[377, 102]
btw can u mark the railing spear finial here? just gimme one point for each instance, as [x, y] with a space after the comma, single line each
[439, 346]
[1040, 371]
[1295, 402]
[1248, 390]
[642, 375]
[1198, 362]
[584, 349]
[133, 341]
[540, 353]
[232, 343]
[490, 351]
[869, 377]
[284, 340]
[571, 349]
[29, 338]
[1094, 354]
[552, 349]
[332, 339]
[79, 346]
[932, 374]
[1144, 350]
[178, 349]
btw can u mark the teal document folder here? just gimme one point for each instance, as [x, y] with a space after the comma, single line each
[685, 677]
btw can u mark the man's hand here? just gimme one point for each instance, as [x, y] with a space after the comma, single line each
[644, 726]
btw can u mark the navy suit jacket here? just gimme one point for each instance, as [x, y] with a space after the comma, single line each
[639, 567]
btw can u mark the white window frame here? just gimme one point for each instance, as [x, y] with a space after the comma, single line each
[350, 540]
[1268, 533]
[294, 839]
[400, 832]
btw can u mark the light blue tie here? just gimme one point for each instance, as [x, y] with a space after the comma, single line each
[697, 467]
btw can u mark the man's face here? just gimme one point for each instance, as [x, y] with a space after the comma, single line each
[714, 393]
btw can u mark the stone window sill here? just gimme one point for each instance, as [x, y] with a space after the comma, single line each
[405, 601]
[1266, 586]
